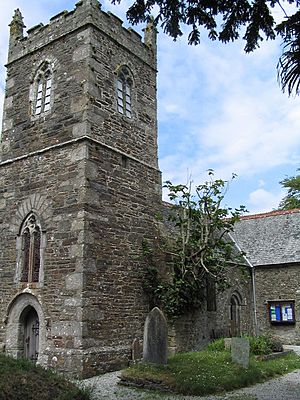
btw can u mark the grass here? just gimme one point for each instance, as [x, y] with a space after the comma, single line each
[208, 372]
[22, 380]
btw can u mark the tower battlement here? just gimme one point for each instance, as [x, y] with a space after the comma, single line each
[66, 22]
[82, 75]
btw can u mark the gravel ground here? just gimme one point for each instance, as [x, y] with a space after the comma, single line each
[286, 387]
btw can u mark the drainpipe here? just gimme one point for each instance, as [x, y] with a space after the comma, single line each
[253, 282]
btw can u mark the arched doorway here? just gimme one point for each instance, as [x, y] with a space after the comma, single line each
[30, 325]
[235, 314]
[25, 329]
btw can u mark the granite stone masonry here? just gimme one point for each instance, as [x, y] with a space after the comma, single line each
[79, 187]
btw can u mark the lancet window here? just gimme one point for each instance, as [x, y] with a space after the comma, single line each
[31, 248]
[124, 92]
[43, 90]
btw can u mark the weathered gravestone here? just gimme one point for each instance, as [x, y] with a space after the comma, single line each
[136, 351]
[240, 351]
[155, 338]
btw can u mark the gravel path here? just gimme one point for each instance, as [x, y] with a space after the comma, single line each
[287, 387]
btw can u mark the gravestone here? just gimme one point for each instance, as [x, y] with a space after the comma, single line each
[240, 351]
[136, 351]
[155, 338]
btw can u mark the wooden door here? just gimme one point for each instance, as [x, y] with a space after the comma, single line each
[31, 335]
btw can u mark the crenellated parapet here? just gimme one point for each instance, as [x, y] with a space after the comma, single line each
[86, 12]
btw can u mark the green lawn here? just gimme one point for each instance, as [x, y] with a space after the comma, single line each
[22, 380]
[209, 371]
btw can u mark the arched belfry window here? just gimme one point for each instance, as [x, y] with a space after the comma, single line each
[31, 250]
[124, 92]
[42, 89]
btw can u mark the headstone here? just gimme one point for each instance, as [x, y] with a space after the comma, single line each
[136, 351]
[155, 338]
[240, 351]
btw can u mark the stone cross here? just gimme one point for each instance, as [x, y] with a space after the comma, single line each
[155, 338]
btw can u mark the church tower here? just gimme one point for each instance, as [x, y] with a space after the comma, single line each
[79, 189]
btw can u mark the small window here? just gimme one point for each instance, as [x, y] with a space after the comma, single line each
[124, 92]
[282, 312]
[31, 244]
[43, 90]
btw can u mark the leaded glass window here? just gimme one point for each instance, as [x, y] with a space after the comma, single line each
[43, 91]
[124, 92]
[31, 244]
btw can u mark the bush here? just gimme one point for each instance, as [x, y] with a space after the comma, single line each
[216, 345]
[264, 344]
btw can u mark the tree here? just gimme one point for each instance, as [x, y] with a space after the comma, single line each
[200, 251]
[225, 20]
[292, 199]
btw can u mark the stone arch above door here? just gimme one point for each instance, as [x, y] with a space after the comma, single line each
[21, 310]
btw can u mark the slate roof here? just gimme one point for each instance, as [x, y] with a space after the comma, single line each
[270, 238]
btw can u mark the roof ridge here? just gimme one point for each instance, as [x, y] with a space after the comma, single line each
[270, 214]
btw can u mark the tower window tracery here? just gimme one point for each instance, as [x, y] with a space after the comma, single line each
[124, 92]
[31, 244]
[43, 90]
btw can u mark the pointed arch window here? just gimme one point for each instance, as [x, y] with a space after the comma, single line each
[124, 92]
[43, 90]
[31, 249]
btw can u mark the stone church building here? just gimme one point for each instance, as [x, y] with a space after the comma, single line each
[80, 190]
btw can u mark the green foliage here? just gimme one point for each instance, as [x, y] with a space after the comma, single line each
[200, 249]
[292, 199]
[216, 345]
[207, 372]
[21, 379]
[289, 62]
[264, 344]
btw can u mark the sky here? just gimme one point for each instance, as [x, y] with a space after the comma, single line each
[218, 108]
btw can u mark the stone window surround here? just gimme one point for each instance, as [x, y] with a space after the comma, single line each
[124, 91]
[40, 206]
[20, 254]
[26, 266]
[42, 88]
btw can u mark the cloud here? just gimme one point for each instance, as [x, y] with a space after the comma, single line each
[262, 200]
[235, 119]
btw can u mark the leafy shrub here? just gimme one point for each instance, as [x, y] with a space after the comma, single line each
[216, 345]
[264, 344]
[276, 345]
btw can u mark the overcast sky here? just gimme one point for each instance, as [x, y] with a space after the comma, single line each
[217, 108]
